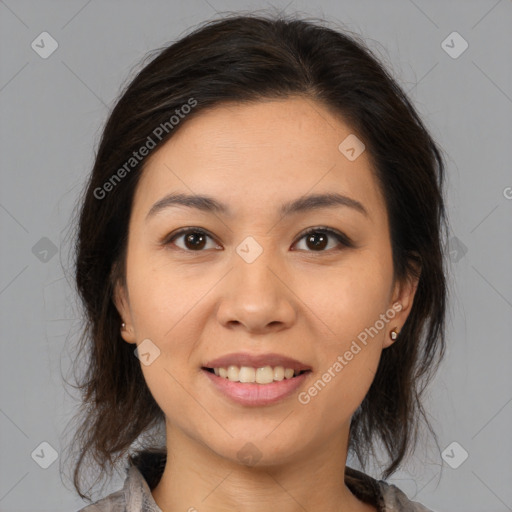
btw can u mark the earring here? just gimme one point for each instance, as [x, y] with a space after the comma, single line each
[123, 326]
[394, 334]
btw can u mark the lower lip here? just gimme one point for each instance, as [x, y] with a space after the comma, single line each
[254, 394]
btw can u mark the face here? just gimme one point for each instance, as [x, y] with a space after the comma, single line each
[247, 279]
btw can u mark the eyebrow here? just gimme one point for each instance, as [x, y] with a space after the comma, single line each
[210, 205]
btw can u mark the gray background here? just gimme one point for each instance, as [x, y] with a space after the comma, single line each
[51, 114]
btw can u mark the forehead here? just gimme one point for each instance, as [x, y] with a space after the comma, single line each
[257, 154]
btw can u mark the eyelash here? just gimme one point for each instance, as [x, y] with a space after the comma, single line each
[340, 237]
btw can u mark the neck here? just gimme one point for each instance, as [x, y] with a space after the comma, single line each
[196, 478]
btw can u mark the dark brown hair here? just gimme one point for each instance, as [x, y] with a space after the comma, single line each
[245, 59]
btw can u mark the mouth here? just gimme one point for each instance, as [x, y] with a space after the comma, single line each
[241, 366]
[256, 380]
[250, 375]
[256, 387]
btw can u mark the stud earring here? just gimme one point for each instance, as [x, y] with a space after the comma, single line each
[394, 334]
[123, 326]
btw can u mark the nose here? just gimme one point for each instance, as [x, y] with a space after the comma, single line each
[257, 296]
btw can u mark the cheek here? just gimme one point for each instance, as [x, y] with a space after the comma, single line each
[350, 351]
[163, 311]
[352, 306]
[349, 298]
[166, 308]
[340, 387]
[161, 298]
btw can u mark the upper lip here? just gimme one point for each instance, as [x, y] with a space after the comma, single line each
[256, 361]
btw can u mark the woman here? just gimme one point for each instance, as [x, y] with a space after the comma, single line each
[260, 258]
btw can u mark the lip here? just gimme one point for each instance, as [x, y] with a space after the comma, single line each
[256, 361]
[253, 394]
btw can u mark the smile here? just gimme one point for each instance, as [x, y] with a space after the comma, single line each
[246, 392]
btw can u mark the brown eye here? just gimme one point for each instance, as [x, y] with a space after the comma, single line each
[317, 239]
[194, 239]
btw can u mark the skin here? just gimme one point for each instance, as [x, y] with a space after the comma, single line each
[306, 303]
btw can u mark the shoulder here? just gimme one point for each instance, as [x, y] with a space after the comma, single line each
[114, 502]
[397, 501]
[134, 496]
[383, 496]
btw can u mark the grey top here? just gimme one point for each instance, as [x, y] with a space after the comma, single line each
[135, 496]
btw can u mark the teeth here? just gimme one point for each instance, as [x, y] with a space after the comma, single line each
[264, 375]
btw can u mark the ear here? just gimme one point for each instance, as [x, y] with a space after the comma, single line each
[402, 300]
[121, 301]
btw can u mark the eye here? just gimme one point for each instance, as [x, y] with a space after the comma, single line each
[317, 238]
[194, 239]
